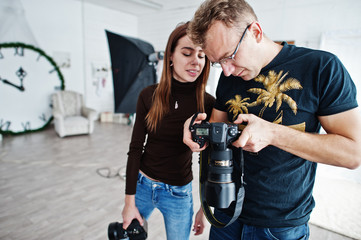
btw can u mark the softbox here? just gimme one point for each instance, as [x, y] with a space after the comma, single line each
[132, 71]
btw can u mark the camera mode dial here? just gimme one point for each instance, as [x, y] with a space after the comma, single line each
[232, 131]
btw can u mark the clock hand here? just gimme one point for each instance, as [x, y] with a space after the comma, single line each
[21, 73]
[20, 88]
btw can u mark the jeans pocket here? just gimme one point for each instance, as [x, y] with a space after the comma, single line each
[289, 233]
[180, 191]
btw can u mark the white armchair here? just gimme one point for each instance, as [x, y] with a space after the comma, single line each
[71, 117]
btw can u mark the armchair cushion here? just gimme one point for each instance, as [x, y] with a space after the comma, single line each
[72, 103]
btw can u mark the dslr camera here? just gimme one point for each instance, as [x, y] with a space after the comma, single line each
[133, 232]
[220, 188]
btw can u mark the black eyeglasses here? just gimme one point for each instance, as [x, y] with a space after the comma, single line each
[225, 60]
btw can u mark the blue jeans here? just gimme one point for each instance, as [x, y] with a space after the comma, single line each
[238, 230]
[174, 202]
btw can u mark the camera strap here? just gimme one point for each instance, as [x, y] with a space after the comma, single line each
[203, 162]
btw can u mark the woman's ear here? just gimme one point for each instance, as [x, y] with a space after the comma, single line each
[171, 61]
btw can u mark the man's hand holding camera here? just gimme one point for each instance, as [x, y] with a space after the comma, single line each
[256, 135]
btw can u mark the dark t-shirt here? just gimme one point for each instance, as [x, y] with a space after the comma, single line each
[164, 157]
[293, 90]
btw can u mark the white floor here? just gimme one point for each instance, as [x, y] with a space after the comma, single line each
[337, 193]
[50, 188]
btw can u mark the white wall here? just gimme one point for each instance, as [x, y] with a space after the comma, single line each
[77, 28]
[57, 27]
[305, 20]
[99, 89]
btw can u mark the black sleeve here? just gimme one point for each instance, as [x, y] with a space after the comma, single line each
[136, 146]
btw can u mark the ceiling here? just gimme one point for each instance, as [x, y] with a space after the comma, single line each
[141, 7]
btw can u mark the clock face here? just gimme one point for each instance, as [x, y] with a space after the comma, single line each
[28, 77]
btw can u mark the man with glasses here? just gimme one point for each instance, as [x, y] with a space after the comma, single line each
[283, 94]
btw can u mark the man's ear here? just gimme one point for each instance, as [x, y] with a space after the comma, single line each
[256, 31]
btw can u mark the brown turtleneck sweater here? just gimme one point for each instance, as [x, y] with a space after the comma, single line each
[164, 157]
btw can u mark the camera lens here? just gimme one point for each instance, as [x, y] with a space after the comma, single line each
[116, 232]
[220, 188]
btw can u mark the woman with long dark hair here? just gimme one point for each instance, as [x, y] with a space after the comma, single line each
[159, 168]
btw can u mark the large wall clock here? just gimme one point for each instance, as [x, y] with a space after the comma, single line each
[28, 77]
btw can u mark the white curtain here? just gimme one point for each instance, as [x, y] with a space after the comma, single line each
[13, 24]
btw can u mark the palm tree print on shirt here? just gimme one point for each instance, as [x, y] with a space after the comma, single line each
[274, 90]
[238, 105]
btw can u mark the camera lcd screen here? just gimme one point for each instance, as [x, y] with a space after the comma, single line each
[202, 131]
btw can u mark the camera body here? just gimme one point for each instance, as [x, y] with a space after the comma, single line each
[133, 232]
[219, 135]
[220, 189]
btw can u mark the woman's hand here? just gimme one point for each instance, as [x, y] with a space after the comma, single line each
[187, 136]
[199, 221]
[130, 211]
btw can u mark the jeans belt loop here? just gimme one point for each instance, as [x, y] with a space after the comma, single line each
[141, 178]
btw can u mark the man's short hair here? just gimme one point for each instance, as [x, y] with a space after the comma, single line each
[231, 12]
